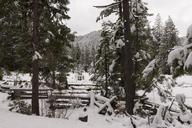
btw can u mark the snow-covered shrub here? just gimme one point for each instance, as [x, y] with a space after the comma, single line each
[149, 68]
[20, 107]
[180, 58]
[76, 103]
[164, 85]
[180, 98]
[158, 119]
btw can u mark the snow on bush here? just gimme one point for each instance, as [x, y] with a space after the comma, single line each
[188, 62]
[111, 67]
[180, 98]
[150, 67]
[177, 54]
[37, 56]
[119, 43]
[181, 57]
[158, 119]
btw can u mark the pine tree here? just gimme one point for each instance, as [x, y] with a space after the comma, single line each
[159, 65]
[158, 29]
[168, 41]
[137, 28]
[51, 38]
[87, 59]
[78, 54]
[104, 58]
[93, 54]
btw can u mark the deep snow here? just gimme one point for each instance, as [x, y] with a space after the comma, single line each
[14, 120]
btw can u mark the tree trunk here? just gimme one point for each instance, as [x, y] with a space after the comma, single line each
[35, 63]
[106, 70]
[120, 10]
[53, 80]
[128, 60]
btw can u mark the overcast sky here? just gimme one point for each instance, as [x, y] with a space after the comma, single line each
[83, 14]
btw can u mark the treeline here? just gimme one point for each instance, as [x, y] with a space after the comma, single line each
[84, 56]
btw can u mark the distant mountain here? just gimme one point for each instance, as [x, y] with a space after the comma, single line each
[90, 39]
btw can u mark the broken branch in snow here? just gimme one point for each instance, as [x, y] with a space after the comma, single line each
[107, 104]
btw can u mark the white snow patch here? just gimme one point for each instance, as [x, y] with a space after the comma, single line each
[120, 43]
[177, 54]
[112, 66]
[47, 40]
[50, 33]
[95, 120]
[150, 67]
[72, 78]
[133, 28]
[37, 56]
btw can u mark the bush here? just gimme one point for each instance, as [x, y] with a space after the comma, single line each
[20, 107]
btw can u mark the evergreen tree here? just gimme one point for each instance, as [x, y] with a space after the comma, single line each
[179, 58]
[87, 56]
[54, 34]
[93, 54]
[158, 29]
[27, 37]
[168, 41]
[104, 59]
[78, 54]
[159, 66]
[137, 28]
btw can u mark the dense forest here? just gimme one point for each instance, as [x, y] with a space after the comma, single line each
[128, 55]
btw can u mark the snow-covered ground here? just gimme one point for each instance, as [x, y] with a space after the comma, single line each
[184, 86]
[72, 78]
[11, 119]
[14, 120]
[24, 80]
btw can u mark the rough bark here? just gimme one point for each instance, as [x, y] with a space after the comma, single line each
[128, 60]
[120, 10]
[106, 70]
[35, 63]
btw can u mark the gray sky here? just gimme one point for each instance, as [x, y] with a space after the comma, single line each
[83, 14]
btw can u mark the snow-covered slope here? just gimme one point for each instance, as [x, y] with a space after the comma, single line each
[90, 39]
